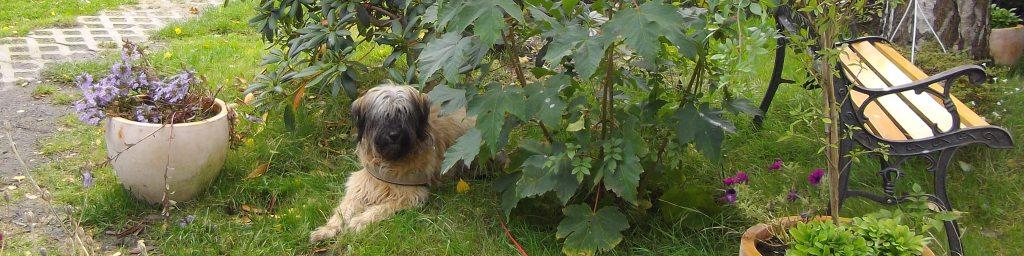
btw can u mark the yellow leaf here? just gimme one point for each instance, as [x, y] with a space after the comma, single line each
[167, 55]
[249, 98]
[575, 126]
[258, 171]
[461, 187]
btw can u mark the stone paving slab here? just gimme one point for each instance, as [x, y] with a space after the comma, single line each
[22, 58]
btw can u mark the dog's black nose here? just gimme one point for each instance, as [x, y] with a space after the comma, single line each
[393, 136]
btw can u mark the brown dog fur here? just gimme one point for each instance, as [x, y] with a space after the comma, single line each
[368, 199]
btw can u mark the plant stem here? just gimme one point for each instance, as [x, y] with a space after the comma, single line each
[513, 61]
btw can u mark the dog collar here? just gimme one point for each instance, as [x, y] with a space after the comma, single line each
[405, 179]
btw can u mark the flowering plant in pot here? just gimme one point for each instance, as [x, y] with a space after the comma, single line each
[879, 233]
[166, 136]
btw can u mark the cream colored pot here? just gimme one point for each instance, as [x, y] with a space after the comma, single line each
[191, 154]
[1006, 45]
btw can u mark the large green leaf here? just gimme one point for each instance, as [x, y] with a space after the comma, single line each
[539, 178]
[641, 29]
[465, 149]
[490, 109]
[625, 177]
[588, 56]
[564, 39]
[449, 54]
[449, 99]
[486, 16]
[587, 232]
[543, 101]
[704, 127]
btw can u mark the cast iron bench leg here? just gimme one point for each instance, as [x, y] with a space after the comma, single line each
[773, 84]
[952, 229]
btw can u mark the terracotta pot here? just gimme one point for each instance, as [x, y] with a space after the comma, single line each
[192, 158]
[1006, 45]
[763, 231]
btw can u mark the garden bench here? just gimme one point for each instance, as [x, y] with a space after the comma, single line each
[891, 106]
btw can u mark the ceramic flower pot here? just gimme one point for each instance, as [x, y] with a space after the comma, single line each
[190, 154]
[1006, 45]
[765, 232]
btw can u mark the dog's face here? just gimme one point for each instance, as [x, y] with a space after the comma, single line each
[391, 119]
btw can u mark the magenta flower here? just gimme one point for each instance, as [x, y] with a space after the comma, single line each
[729, 181]
[730, 196]
[815, 177]
[792, 196]
[741, 177]
[776, 165]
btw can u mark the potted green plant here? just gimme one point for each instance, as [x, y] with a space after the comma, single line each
[880, 233]
[1006, 43]
[166, 137]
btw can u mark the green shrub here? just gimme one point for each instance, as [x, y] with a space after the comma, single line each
[888, 237]
[1004, 18]
[824, 238]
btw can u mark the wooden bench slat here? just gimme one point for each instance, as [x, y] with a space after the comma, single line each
[926, 106]
[878, 122]
[895, 110]
[968, 117]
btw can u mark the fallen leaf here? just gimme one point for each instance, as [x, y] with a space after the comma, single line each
[18, 178]
[461, 187]
[258, 171]
[31, 196]
[249, 98]
[252, 209]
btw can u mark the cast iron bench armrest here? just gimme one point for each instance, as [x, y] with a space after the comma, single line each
[974, 73]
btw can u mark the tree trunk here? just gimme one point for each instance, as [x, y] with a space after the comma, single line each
[946, 21]
[974, 27]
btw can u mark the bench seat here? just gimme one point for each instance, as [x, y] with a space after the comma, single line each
[907, 115]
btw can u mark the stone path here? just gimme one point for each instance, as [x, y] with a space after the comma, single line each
[21, 58]
[25, 217]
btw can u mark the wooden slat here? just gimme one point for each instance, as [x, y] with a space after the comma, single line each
[925, 105]
[892, 107]
[967, 116]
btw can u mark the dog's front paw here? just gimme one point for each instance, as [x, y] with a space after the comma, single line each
[323, 233]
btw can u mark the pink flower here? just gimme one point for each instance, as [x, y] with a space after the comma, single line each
[729, 181]
[776, 165]
[815, 177]
[792, 196]
[741, 177]
[730, 196]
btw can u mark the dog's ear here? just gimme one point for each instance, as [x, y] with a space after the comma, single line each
[358, 112]
[422, 109]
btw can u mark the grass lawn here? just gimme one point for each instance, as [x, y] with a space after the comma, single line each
[309, 165]
[18, 17]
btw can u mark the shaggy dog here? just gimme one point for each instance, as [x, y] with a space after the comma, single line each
[401, 143]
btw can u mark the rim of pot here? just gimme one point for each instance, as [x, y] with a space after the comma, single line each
[220, 114]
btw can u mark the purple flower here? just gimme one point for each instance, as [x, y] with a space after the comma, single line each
[792, 196]
[741, 177]
[776, 165]
[173, 89]
[730, 196]
[729, 181]
[89, 113]
[815, 177]
[87, 179]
